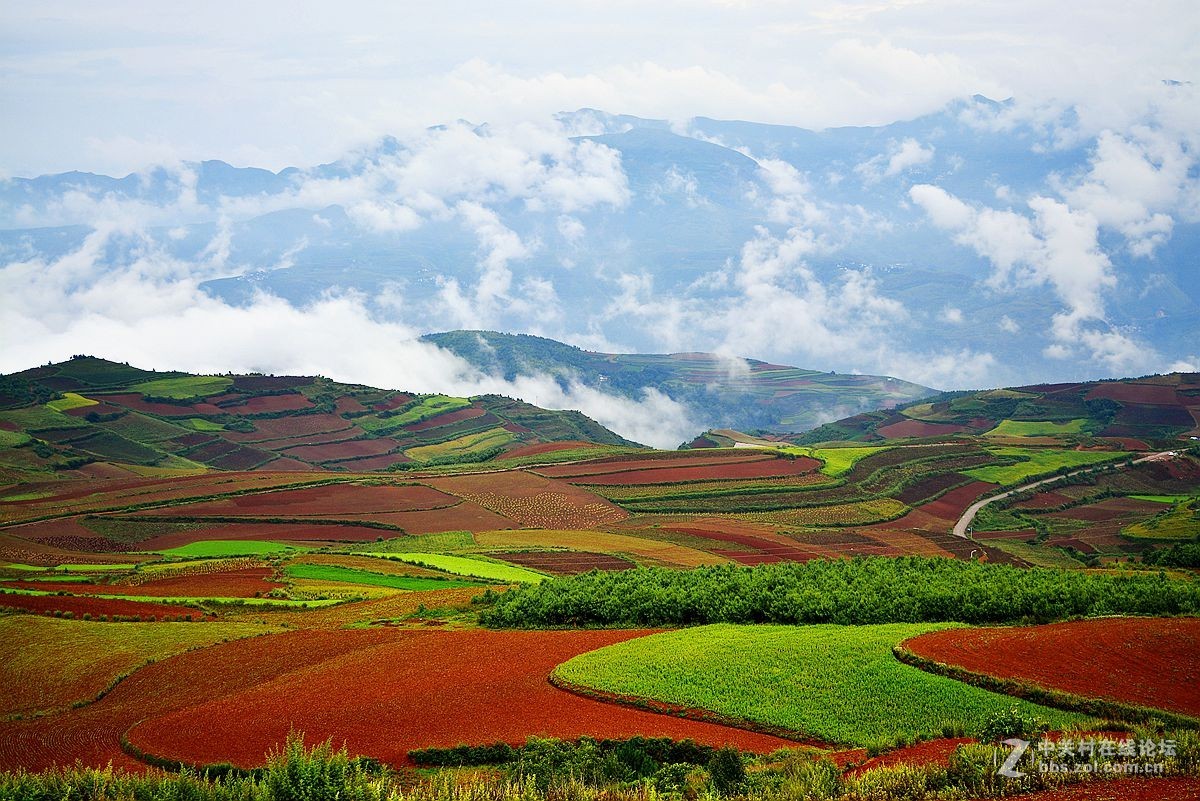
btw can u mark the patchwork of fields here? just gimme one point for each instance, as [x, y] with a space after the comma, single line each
[206, 563]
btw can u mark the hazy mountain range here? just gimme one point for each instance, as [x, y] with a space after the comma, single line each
[971, 247]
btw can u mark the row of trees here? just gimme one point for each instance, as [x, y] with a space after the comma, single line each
[847, 591]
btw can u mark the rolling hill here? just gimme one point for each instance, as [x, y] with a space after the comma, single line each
[722, 392]
[91, 414]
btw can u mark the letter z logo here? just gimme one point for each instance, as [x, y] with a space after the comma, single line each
[1008, 769]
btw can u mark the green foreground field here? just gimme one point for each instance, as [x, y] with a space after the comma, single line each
[840, 684]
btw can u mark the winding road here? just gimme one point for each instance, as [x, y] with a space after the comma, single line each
[964, 523]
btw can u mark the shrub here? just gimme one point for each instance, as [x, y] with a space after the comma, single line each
[727, 770]
[1011, 723]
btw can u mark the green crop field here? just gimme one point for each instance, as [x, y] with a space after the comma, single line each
[838, 461]
[229, 548]
[441, 542]
[352, 576]
[1180, 522]
[465, 566]
[39, 418]
[840, 684]
[1041, 428]
[1162, 498]
[51, 664]
[470, 443]
[427, 408]
[71, 400]
[191, 386]
[1037, 462]
[200, 424]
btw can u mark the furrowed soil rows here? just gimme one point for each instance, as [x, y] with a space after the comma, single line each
[757, 468]
[485, 687]
[329, 499]
[532, 500]
[80, 605]
[1145, 661]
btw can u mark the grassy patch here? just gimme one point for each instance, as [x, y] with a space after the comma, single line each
[460, 446]
[229, 548]
[25, 496]
[71, 400]
[442, 542]
[1032, 462]
[351, 576]
[200, 424]
[191, 386]
[1039, 428]
[13, 439]
[838, 461]
[838, 683]
[465, 566]
[1163, 498]
[37, 418]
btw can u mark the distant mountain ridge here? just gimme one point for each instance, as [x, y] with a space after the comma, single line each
[685, 202]
[720, 391]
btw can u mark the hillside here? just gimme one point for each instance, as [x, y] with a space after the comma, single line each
[90, 414]
[1136, 413]
[720, 392]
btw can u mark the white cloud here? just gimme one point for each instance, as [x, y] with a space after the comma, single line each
[900, 157]
[952, 315]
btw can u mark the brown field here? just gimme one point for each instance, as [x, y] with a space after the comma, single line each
[499, 692]
[747, 468]
[650, 552]
[917, 428]
[457, 416]
[532, 500]
[1144, 661]
[301, 425]
[80, 605]
[270, 404]
[325, 500]
[346, 449]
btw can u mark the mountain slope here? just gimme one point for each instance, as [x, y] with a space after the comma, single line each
[89, 413]
[720, 392]
[1153, 411]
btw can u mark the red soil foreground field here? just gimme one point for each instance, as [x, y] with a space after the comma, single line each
[82, 605]
[383, 691]
[419, 689]
[1183, 789]
[1146, 661]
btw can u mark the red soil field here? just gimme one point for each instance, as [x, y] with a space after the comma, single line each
[341, 435]
[458, 415]
[1156, 394]
[544, 447]
[394, 402]
[269, 383]
[243, 583]
[349, 449]
[80, 605]
[286, 463]
[1140, 789]
[1023, 534]
[616, 464]
[1146, 661]
[759, 468]
[761, 551]
[277, 532]
[302, 425]
[134, 401]
[98, 408]
[951, 505]
[346, 404]
[328, 499]
[931, 752]
[371, 463]
[271, 404]
[566, 563]
[1109, 509]
[430, 688]
[532, 500]
[242, 458]
[916, 428]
